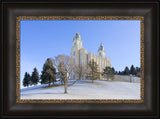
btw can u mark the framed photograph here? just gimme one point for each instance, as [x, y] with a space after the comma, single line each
[89, 77]
[80, 59]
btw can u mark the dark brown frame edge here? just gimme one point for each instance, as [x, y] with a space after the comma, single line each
[1, 50]
[148, 109]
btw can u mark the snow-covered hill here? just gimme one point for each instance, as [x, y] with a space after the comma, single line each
[86, 90]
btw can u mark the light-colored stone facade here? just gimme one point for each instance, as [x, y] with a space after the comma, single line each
[80, 55]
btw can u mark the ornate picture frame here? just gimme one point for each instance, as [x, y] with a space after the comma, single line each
[19, 18]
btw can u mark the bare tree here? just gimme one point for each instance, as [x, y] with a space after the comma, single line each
[82, 71]
[60, 76]
[65, 65]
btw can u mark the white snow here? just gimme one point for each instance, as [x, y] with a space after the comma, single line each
[86, 90]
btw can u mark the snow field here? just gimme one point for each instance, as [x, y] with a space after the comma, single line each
[86, 90]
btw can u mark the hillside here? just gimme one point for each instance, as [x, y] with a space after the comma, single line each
[86, 90]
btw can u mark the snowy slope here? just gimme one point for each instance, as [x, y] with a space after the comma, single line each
[86, 90]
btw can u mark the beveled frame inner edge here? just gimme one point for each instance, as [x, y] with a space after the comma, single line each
[18, 18]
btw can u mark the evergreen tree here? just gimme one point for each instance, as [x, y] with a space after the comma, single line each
[126, 71]
[113, 70]
[34, 77]
[138, 71]
[133, 70]
[108, 73]
[94, 73]
[43, 76]
[119, 73]
[116, 72]
[26, 80]
[48, 75]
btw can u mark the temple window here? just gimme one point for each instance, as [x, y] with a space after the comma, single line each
[74, 53]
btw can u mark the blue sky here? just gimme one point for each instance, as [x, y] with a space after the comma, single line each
[41, 39]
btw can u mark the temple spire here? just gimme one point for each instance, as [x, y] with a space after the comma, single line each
[77, 36]
[101, 47]
[77, 40]
[101, 51]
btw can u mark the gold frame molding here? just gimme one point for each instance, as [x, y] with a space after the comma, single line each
[18, 18]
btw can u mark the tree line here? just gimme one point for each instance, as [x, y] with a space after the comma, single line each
[30, 80]
[48, 75]
[65, 66]
[132, 71]
[95, 73]
[61, 69]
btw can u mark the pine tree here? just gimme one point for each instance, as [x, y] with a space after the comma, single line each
[94, 73]
[108, 73]
[26, 80]
[113, 70]
[34, 77]
[133, 70]
[119, 73]
[138, 71]
[43, 76]
[116, 72]
[48, 75]
[126, 71]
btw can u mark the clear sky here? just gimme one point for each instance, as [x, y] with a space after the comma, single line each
[42, 39]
